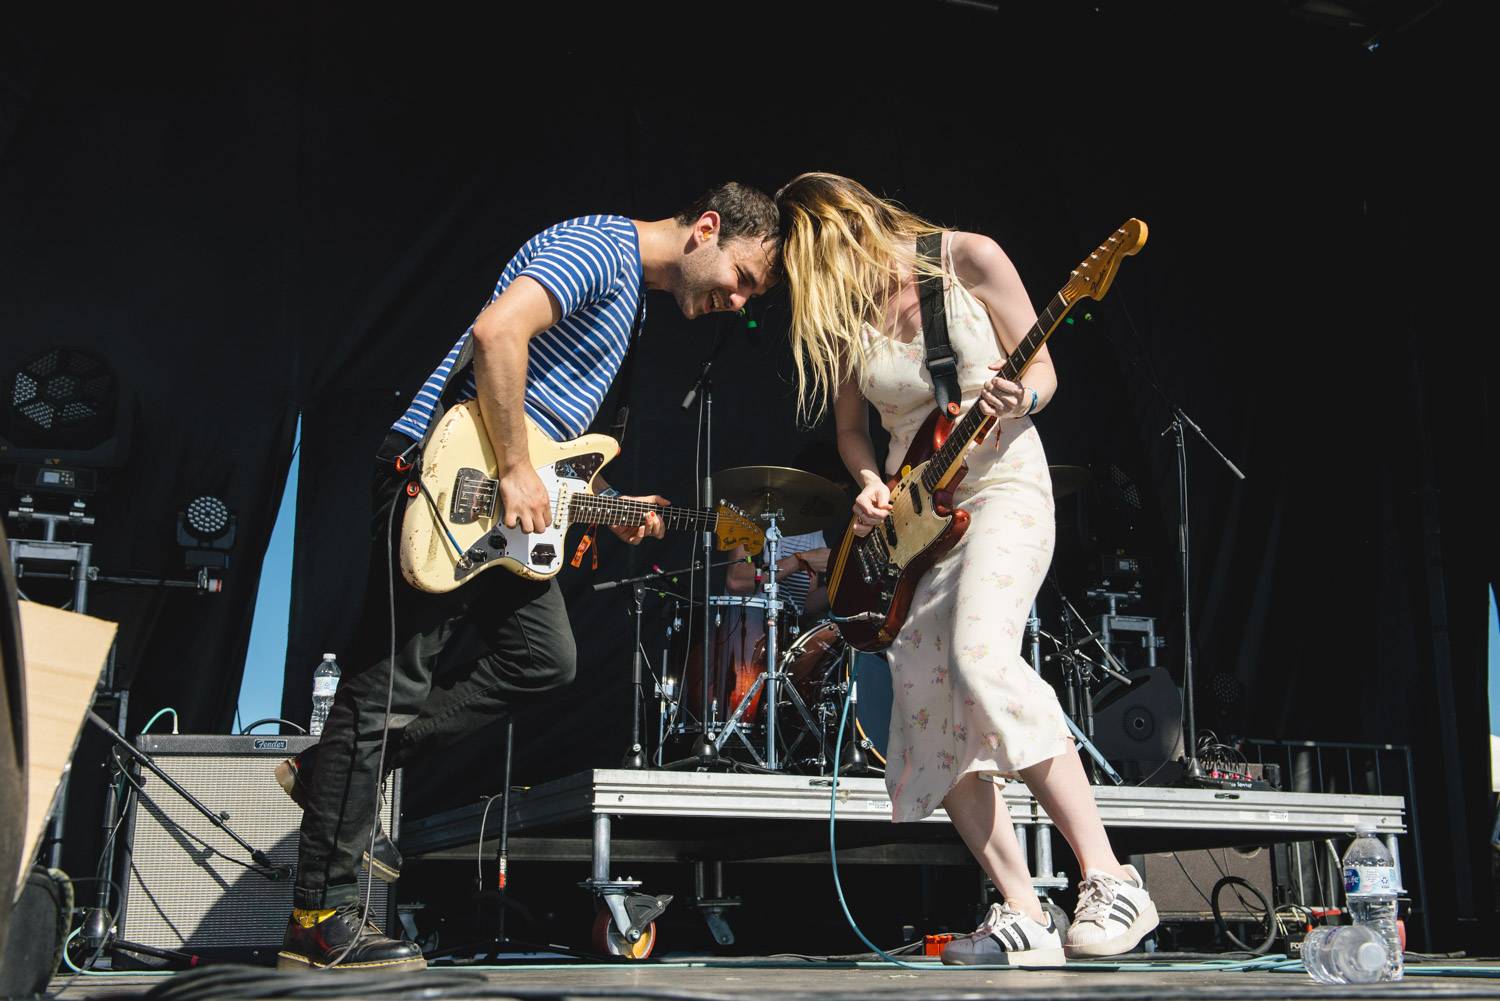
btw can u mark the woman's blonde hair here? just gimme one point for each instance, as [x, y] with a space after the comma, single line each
[844, 253]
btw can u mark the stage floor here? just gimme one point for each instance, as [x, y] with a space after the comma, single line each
[735, 979]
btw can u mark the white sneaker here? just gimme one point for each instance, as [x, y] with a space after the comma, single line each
[1113, 915]
[1007, 938]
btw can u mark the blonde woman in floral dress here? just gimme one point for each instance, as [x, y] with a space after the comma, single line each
[968, 711]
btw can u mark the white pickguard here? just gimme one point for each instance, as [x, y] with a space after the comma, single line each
[531, 552]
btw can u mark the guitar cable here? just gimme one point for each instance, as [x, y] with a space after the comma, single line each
[833, 809]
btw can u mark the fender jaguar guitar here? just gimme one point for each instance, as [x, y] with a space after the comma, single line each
[453, 528]
[873, 577]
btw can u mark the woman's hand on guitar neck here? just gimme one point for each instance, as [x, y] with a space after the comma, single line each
[999, 397]
[871, 507]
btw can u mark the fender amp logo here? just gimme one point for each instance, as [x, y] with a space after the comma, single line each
[270, 744]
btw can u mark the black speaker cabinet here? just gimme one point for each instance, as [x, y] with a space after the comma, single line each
[1180, 883]
[1139, 727]
[187, 885]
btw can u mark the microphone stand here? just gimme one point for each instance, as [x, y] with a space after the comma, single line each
[264, 866]
[635, 757]
[1179, 418]
[1175, 428]
[705, 752]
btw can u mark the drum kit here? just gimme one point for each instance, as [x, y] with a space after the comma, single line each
[764, 688]
[748, 682]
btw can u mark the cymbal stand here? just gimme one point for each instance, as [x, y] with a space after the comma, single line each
[1074, 677]
[772, 678]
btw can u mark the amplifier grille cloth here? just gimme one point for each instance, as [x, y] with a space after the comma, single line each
[185, 886]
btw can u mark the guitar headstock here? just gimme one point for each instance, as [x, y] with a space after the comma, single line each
[1092, 278]
[736, 529]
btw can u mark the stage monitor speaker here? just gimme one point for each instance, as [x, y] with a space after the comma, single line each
[1180, 883]
[1139, 727]
[189, 886]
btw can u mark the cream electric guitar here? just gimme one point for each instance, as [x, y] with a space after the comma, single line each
[453, 527]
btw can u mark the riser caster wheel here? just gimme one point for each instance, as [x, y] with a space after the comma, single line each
[608, 940]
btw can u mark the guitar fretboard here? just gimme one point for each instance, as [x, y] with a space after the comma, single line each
[594, 509]
[1015, 365]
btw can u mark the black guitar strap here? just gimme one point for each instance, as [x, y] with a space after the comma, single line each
[627, 366]
[942, 365]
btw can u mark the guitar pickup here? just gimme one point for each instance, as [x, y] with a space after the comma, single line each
[543, 555]
[890, 532]
[916, 498]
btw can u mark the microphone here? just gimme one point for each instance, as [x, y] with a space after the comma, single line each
[692, 394]
[859, 617]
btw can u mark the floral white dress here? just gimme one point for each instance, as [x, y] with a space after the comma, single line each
[963, 698]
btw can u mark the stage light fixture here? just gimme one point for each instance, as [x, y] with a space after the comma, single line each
[206, 530]
[62, 418]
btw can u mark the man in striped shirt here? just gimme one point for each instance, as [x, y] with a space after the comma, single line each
[547, 346]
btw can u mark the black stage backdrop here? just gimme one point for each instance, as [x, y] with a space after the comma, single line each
[293, 211]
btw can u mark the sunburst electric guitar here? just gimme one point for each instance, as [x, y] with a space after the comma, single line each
[873, 577]
[454, 529]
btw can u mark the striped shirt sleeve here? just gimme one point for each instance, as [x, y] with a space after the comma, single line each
[580, 267]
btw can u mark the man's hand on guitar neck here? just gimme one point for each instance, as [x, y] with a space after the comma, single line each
[524, 500]
[654, 526]
[633, 534]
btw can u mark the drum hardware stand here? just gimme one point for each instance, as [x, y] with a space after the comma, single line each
[772, 678]
[635, 757]
[852, 757]
[1075, 677]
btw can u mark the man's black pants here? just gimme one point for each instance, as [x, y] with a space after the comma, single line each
[463, 660]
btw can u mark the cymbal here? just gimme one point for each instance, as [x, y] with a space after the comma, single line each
[805, 501]
[1068, 479]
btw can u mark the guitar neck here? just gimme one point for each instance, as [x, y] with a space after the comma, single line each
[596, 510]
[974, 422]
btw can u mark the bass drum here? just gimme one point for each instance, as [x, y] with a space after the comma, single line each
[818, 663]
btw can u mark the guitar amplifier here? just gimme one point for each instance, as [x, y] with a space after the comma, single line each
[188, 885]
[1180, 882]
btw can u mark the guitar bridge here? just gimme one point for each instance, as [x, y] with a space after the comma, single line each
[474, 496]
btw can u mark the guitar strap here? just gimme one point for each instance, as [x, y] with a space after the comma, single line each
[627, 366]
[942, 365]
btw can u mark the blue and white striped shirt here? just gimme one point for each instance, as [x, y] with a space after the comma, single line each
[592, 267]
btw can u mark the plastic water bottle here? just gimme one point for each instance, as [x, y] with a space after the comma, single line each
[1347, 954]
[1371, 886]
[325, 683]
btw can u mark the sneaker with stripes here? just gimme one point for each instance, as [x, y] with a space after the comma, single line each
[1007, 938]
[1113, 915]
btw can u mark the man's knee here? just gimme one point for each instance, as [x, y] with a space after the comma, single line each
[555, 662]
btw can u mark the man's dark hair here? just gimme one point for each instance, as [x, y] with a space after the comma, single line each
[743, 212]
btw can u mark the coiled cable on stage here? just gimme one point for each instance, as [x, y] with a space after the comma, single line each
[1270, 918]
